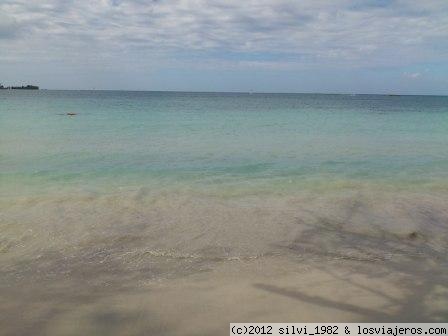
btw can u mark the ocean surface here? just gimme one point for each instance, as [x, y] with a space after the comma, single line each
[225, 143]
[143, 187]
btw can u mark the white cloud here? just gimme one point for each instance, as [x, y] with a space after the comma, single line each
[255, 32]
[412, 75]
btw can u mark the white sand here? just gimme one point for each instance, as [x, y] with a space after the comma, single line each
[185, 266]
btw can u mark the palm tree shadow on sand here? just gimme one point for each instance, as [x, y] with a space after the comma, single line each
[419, 265]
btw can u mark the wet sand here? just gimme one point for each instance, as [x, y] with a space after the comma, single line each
[140, 264]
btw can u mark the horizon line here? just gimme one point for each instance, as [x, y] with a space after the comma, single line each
[250, 92]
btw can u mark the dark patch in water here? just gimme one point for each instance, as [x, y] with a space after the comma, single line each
[413, 235]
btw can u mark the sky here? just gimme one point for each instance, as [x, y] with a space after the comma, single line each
[340, 46]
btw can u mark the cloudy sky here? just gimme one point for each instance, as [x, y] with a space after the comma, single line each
[370, 46]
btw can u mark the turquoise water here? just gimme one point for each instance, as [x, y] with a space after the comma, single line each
[219, 142]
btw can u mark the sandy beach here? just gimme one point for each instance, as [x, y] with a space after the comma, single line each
[189, 266]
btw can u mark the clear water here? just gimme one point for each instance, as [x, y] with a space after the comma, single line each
[222, 143]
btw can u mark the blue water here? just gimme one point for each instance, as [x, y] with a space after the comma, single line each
[285, 142]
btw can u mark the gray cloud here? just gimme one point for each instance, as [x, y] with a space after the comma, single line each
[9, 27]
[359, 33]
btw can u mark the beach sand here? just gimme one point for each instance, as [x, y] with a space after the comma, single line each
[182, 264]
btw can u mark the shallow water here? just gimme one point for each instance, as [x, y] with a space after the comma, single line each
[194, 140]
[146, 189]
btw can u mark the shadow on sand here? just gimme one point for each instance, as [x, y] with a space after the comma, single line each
[411, 263]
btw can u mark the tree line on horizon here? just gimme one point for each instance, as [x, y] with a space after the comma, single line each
[23, 87]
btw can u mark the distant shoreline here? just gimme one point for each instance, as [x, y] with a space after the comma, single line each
[23, 87]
